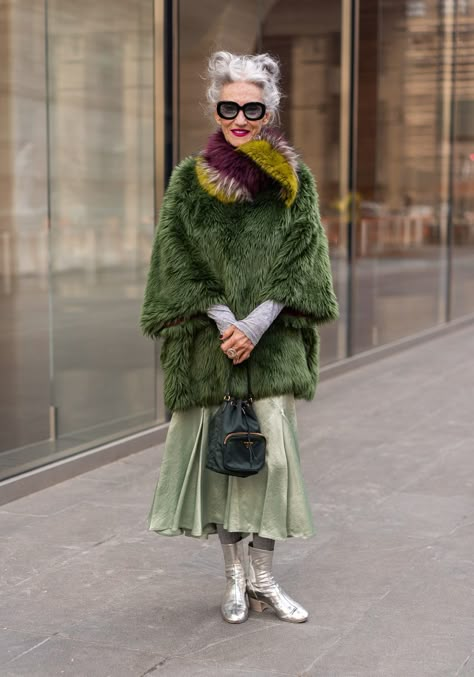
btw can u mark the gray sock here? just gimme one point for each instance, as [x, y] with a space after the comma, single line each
[227, 537]
[263, 543]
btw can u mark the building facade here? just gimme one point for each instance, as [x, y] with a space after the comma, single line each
[100, 100]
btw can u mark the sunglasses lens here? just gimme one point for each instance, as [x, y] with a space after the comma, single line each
[227, 110]
[254, 111]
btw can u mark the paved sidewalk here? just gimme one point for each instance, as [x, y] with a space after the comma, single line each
[389, 579]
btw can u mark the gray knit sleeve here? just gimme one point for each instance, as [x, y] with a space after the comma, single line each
[256, 324]
[222, 316]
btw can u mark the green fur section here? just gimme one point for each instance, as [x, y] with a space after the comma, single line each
[197, 371]
[180, 283]
[240, 254]
[300, 276]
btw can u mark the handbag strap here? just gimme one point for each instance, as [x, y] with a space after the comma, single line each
[228, 395]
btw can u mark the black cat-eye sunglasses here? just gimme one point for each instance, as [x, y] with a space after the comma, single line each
[228, 110]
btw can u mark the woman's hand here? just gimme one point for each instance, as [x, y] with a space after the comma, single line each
[235, 339]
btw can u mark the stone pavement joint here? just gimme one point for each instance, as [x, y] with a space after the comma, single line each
[387, 453]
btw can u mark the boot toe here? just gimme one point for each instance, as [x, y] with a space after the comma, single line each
[235, 614]
[299, 615]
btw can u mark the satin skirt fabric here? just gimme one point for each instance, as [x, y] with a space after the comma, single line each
[191, 500]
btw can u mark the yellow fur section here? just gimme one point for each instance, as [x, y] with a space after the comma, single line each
[209, 186]
[275, 165]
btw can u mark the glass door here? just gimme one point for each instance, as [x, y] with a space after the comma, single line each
[100, 64]
[404, 83]
[24, 325]
[462, 240]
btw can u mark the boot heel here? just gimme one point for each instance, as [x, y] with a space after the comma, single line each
[257, 605]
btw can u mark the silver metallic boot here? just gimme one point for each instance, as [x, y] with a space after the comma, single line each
[234, 605]
[264, 592]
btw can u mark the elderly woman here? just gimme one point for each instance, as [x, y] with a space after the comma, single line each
[239, 275]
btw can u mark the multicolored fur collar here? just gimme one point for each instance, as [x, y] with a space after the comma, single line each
[237, 174]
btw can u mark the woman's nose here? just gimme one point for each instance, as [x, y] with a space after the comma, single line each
[241, 119]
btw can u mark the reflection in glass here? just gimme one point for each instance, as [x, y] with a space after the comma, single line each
[205, 27]
[24, 334]
[77, 133]
[404, 94]
[462, 285]
[102, 211]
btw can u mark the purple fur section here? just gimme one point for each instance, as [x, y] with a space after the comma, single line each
[223, 157]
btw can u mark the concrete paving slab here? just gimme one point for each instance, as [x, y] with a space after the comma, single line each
[14, 644]
[78, 528]
[21, 561]
[51, 601]
[451, 475]
[13, 524]
[179, 667]
[421, 627]
[122, 472]
[55, 499]
[274, 645]
[59, 656]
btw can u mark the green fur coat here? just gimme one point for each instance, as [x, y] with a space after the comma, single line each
[239, 226]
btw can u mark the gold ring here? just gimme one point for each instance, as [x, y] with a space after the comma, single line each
[232, 353]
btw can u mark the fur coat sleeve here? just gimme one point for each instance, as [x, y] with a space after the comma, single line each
[301, 276]
[180, 287]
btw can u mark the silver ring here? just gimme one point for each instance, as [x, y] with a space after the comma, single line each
[232, 353]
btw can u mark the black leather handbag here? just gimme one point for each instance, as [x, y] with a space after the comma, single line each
[236, 445]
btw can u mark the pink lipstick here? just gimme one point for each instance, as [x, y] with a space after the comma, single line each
[239, 132]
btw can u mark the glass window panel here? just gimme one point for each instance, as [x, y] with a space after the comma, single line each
[462, 286]
[24, 331]
[205, 27]
[404, 104]
[101, 118]
[75, 369]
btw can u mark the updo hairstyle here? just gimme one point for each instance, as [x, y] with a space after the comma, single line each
[262, 70]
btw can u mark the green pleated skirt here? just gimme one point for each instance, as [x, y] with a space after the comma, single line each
[190, 499]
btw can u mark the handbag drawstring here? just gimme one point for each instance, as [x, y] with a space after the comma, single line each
[228, 395]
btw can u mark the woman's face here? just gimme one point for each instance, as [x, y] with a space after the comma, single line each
[240, 130]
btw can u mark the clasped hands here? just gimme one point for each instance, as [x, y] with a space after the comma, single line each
[234, 339]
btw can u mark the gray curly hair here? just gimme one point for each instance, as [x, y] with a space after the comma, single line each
[262, 70]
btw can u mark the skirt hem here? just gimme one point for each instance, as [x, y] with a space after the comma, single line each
[209, 530]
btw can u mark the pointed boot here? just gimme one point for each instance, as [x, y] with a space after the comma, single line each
[234, 605]
[265, 593]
